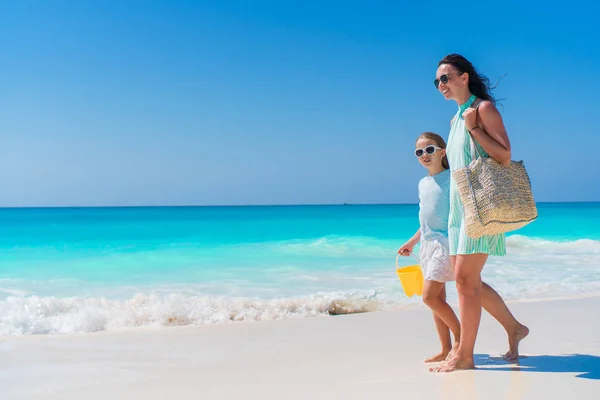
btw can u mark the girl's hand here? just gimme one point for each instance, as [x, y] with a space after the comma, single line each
[470, 117]
[406, 249]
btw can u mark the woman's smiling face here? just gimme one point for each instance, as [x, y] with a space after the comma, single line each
[451, 83]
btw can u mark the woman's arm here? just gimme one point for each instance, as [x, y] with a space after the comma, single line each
[489, 131]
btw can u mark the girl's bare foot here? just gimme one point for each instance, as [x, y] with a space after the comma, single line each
[513, 342]
[452, 352]
[455, 364]
[438, 357]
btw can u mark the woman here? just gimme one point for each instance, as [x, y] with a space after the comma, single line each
[458, 80]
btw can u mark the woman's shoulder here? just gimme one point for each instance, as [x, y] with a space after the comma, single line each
[485, 106]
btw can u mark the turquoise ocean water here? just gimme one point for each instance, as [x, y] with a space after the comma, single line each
[71, 270]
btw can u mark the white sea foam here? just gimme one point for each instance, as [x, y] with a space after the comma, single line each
[533, 269]
[51, 315]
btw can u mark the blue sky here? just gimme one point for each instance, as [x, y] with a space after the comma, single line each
[279, 102]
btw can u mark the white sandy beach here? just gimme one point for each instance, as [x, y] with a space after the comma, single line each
[357, 356]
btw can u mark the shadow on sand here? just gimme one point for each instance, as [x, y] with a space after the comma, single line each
[584, 365]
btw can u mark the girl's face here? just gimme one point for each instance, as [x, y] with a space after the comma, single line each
[429, 153]
[450, 83]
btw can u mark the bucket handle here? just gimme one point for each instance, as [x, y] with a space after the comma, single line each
[412, 254]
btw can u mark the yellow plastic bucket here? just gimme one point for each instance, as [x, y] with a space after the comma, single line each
[411, 278]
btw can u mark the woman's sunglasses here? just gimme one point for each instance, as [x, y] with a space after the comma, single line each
[429, 150]
[443, 79]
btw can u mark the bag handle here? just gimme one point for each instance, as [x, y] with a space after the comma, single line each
[474, 147]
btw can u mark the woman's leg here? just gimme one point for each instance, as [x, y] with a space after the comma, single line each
[495, 305]
[469, 286]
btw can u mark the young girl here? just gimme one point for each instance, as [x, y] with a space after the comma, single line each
[434, 208]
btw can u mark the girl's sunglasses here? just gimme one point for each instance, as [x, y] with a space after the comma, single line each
[443, 79]
[429, 150]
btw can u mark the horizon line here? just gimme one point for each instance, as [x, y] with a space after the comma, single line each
[255, 205]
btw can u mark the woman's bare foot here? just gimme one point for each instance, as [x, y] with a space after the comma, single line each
[513, 342]
[455, 364]
[438, 357]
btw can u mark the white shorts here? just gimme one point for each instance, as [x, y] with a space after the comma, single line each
[435, 260]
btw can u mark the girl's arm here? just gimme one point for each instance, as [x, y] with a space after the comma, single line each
[407, 248]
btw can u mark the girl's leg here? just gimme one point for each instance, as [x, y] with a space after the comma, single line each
[456, 323]
[434, 295]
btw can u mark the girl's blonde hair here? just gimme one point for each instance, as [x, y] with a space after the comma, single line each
[440, 143]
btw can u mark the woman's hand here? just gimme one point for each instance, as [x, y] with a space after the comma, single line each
[470, 117]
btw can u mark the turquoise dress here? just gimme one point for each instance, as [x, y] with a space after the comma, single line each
[460, 155]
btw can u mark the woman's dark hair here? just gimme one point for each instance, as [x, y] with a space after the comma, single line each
[479, 85]
[439, 141]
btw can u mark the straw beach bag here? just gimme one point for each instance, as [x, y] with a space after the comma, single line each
[496, 198]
